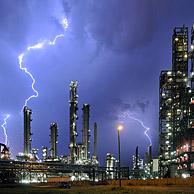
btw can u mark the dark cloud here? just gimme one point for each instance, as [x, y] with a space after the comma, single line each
[115, 49]
[117, 107]
[115, 24]
[142, 105]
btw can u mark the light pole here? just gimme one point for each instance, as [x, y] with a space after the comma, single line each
[119, 128]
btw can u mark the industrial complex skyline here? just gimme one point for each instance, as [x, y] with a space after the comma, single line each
[116, 52]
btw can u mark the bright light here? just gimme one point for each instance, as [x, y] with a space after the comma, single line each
[120, 127]
[4, 129]
[185, 176]
[65, 23]
[25, 181]
[36, 46]
[127, 115]
[73, 178]
[39, 45]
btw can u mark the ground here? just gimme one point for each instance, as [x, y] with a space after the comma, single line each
[27, 189]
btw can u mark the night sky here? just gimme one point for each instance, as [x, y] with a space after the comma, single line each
[114, 48]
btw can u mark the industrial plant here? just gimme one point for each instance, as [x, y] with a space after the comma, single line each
[176, 115]
[27, 167]
[176, 136]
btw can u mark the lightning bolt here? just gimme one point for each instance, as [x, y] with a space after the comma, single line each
[39, 45]
[127, 115]
[4, 129]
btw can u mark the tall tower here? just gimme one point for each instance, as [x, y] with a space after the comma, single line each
[174, 105]
[192, 58]
[86, 131]
[137, 158]
[95, 141]
[73, 117]
[166, 141]
[27, 130]
[180, 78]
[53, 140]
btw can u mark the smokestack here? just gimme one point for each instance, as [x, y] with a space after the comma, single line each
[27, 130]
[73, 117]
[95, 141]
[86, 131]
[53, 140]
[137, 158]
[150, 153]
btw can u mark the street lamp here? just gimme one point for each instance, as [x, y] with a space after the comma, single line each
[119, 128]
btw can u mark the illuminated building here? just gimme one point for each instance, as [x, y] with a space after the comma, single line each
[28, 168]
[176, 114]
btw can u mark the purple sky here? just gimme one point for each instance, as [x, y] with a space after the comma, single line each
[114, 48]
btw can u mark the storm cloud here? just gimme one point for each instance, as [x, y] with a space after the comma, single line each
[115, 49]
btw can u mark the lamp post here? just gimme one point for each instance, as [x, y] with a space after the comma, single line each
[119, 128]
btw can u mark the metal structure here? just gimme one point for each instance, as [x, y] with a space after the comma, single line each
[44, 153]
[80, 153]
[4, 152]
[137, 172]
[27, 130]
[26, 172]
[29, 168]
[176, 115]
[53, 140]
[119, 156]
[110, 166]
[95, 142]
[73, 117]
[86, 131]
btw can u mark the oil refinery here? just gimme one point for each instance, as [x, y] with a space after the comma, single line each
[176, 137]
[80, 164]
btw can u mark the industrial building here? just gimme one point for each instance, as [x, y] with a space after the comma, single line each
[79, 163]
[144, 169]
[176, 114]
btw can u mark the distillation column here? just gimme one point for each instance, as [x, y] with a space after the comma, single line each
[192, 58]
[95, 142]
[53, 140]
[27, 130]
[73, 117]
[86, 131]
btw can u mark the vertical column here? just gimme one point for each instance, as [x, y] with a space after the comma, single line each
[95, 141]
[86, 131]
[73, 117]
[53, 140]
[27, 130]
